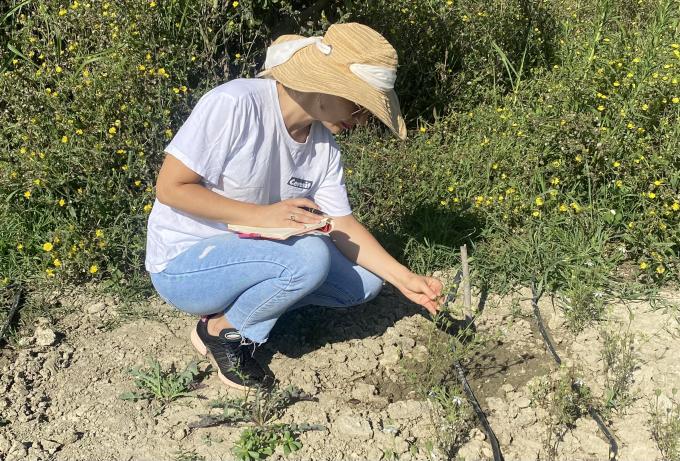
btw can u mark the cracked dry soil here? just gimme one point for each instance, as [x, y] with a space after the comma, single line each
[60, 390]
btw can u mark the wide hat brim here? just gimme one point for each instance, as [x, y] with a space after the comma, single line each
[310, 70]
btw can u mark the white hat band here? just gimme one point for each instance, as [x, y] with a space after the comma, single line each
[379, 77]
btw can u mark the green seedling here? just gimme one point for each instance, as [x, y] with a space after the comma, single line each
[163, 386]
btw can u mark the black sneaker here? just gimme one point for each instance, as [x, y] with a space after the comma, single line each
[235, 364]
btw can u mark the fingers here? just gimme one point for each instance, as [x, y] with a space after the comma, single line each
[304, 211]
[303, 202]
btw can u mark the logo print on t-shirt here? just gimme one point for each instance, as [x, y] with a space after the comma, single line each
[300, 183]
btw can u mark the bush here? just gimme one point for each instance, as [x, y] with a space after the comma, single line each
[92, 92]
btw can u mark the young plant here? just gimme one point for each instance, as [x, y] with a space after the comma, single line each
[258, 408]
[620, 360]
[665, 426]
[163, 386]
[566, 398]
[187, 455]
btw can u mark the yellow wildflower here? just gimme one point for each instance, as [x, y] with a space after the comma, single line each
[93, 269]
[27, 194]
[538, 201]
[660, 269]
[57, 263]
[644, 265]
[62, 202]
[47, 246]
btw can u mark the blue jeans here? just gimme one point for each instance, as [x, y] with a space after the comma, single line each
[255, 281]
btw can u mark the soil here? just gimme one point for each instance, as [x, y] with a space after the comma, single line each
[60, 389]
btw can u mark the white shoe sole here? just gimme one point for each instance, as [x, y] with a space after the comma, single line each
[203, 350]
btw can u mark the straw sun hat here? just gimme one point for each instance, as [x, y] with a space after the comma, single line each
[352, 61]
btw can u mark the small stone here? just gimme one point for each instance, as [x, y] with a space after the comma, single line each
[400, 445]
[504, 438]
[477, 434]
[522, 402]
[179, 434]
[96, 307]
[374, 453]
[496, 405]
[487, 452]
[507, 388]
[4, 444]
[391, 356]
[364, 392]
[350, 426]
[407, 409]
[420, 353]
[50, 446]
[471, 450]
[44, 336]
[526, 418]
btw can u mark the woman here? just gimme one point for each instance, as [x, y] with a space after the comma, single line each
[260, 152]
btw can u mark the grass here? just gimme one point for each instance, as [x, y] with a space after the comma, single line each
[163, 387]
[665, 425]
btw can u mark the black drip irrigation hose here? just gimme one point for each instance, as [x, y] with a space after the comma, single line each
[613, 447]
[495, 447]
[460, 372]
[12, 311]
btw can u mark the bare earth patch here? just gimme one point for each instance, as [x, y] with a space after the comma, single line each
[60, 391]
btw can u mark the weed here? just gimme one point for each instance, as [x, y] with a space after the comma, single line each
[258, 408]
[187, 455]
[665, 425]
[209, 439]
[565, 398]
[620, 360]
[449, 338]
[162, 386]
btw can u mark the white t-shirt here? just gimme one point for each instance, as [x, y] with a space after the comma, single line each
[236, 139]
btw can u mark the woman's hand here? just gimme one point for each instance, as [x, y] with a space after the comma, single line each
[288, 213]
[423, 290]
